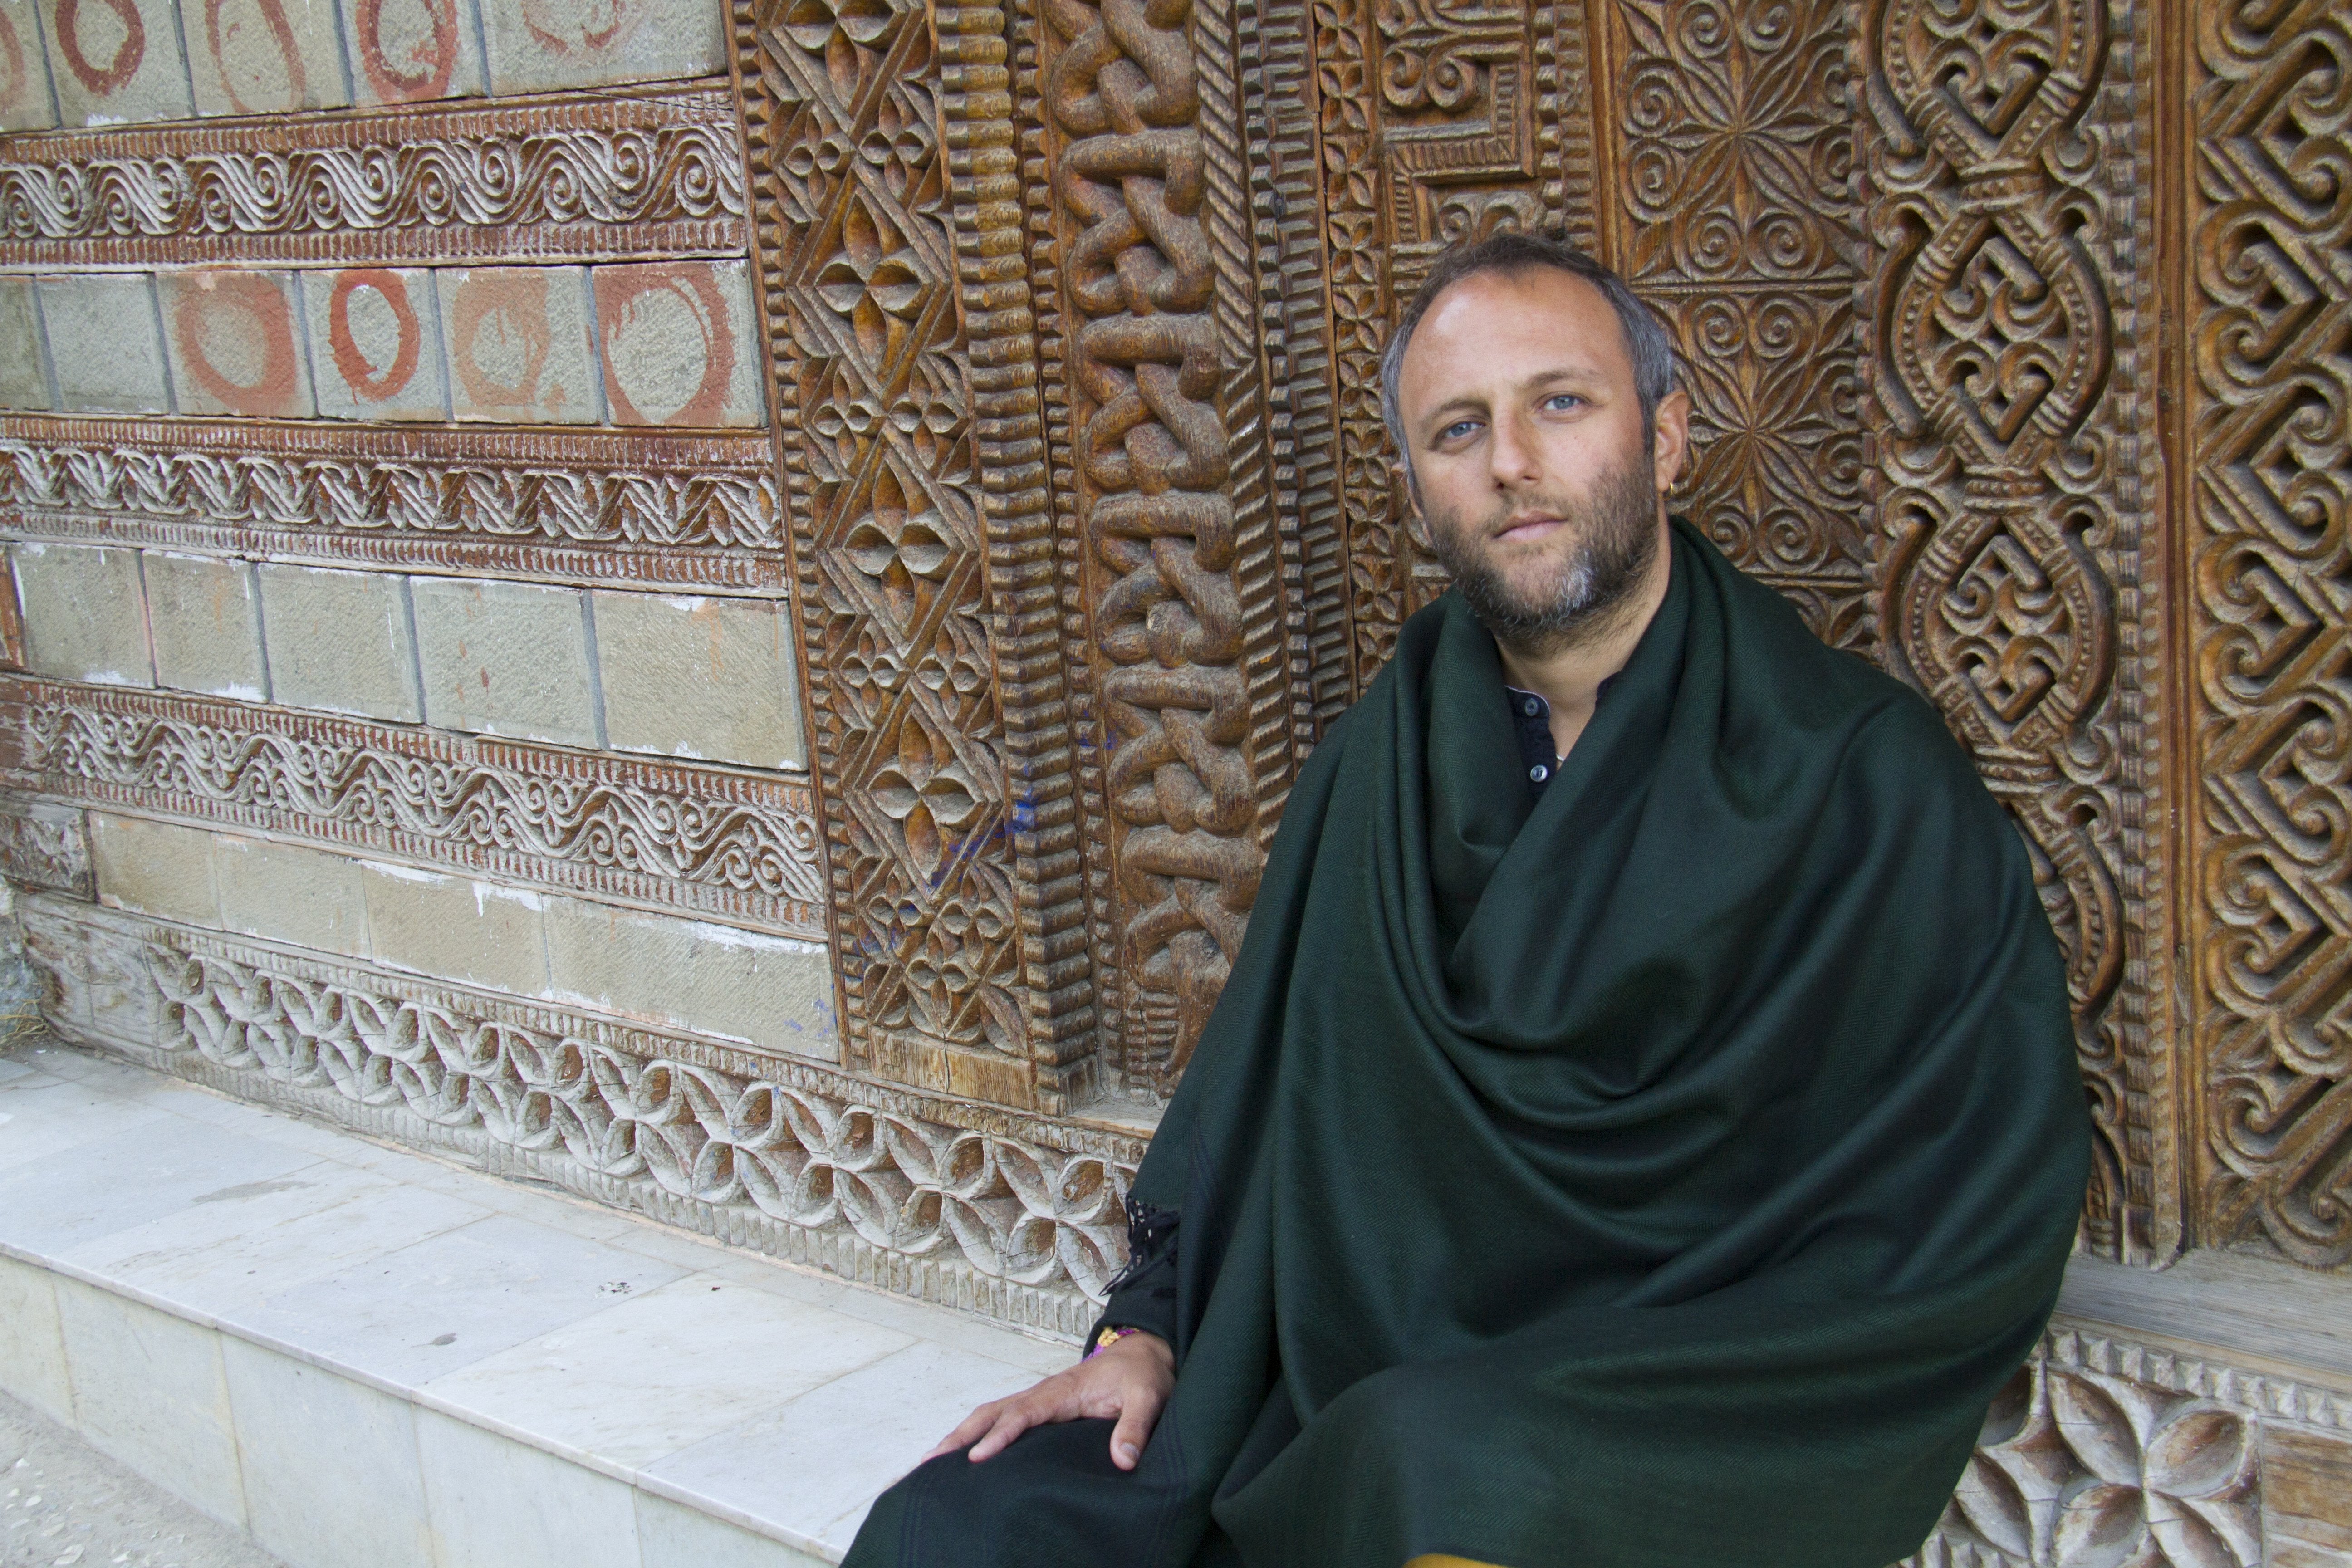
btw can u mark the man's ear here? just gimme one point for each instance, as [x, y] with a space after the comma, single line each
[1672, 439]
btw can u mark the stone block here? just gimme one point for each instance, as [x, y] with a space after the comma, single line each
[497, 1503]
[106, 341]
[517, 341]
[149, 1391]
[340, 641]
[504, 658]
[233, 346]
[206, 617]
[24, 371]
[262, 56]
[702, 677]
[26, 103]
[331, 1478]
[33, 1351]
[454, 928]
[375, 343]
[769, 992]
[678, 343]
[82, 615]
[157, 869]
[290, 893]
[408, 51]
[537, 46]
[114, 61]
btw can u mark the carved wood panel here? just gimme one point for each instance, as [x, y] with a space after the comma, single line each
[2010, 455]
[2268, 577]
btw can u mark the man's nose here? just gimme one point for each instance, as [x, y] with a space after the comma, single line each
[1511, 454]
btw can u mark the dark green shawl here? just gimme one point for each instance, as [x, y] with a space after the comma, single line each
[1666, 1173]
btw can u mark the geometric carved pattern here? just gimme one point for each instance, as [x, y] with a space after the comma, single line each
[2004, 374]
[628, 507]
[2077, 1468]
[837, 1167]
[851, 221]
[1739, 224]
[736, 846]
[1437, 123]
[619, 175]
[2271, 576]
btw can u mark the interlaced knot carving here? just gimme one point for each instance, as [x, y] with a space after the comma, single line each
[1153, 455]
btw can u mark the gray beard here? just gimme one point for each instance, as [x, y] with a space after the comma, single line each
[1617, 543]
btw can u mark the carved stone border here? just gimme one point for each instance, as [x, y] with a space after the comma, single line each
[952, 1202]
[738, 847]
[2106, 1449]
[602, 505]
[643, 173]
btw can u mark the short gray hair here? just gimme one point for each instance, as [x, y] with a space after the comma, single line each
[1512, 252]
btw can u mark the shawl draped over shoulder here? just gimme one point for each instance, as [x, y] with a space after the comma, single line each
[1664, 1173]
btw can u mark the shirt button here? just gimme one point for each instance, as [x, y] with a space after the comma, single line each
[1532, 708]
[1539, 773]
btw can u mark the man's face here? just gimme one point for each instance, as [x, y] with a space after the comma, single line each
[1529, 456]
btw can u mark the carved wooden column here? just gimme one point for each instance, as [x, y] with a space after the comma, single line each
[2011, 440]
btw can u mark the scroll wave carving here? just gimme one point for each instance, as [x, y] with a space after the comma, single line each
[1153, 453]
[681, 493]
[2272, 592]
[2010, 489]
[815, 1158]
[735, 846]
[852, 214]
[626, 176]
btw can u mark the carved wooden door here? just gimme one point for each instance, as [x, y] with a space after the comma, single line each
[2016, 337]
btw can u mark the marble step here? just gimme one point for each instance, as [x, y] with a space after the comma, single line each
[365, 1359]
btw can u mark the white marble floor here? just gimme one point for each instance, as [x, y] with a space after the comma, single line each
[367, 1359]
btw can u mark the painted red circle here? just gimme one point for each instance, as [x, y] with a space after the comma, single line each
[618, 287]
[391, 83]
[257, 299]
[358, 375]
[281, 32]
[127, 54]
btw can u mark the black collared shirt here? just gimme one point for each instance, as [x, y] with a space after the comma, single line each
[1532, 718]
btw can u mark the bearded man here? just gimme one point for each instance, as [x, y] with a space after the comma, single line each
[1642, 1128]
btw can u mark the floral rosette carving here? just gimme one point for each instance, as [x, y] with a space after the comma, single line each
[2078, 1471]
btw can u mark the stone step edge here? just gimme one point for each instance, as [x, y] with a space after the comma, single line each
[628, 1476]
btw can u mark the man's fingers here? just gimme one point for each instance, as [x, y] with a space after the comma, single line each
[1010, 1424]
[969, 1427]
[1134, 1428]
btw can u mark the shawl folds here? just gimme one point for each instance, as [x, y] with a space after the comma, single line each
[1667, 1171]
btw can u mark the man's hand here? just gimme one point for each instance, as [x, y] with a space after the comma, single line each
[1130, 1379]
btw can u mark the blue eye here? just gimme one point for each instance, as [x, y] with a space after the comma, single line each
[1560, 400]
[1459, 427]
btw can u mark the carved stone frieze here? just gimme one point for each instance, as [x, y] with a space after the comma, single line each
[622, 174]
[2268, 568]
[608, 505]
[738, 847]
[2079, 1464]
[2012, 449]
[44, 845]
[942, 1199]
